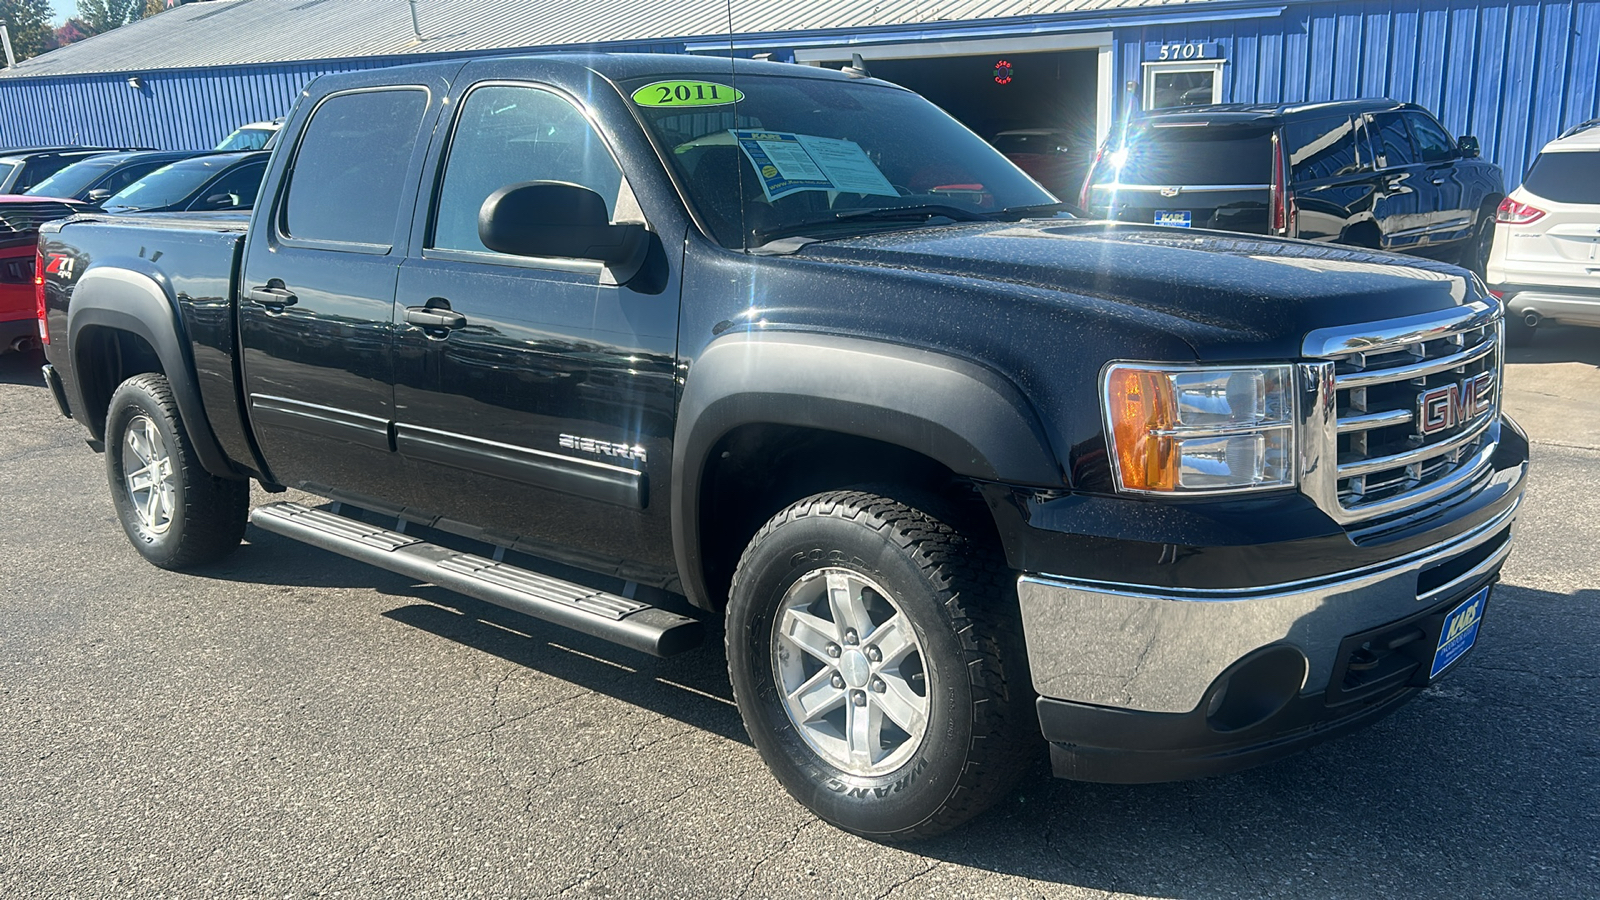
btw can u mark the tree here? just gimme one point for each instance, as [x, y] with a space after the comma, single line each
[98, 16]
[28, 22]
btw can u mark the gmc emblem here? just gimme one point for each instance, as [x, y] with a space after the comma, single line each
[1450, 405]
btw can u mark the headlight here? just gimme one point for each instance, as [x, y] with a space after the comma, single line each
[1190, 429]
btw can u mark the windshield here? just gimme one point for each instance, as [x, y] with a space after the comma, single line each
[804, 156]
[247, 138]
[1185, 155]
[1569, 176]
[73, 180]
[165, 186]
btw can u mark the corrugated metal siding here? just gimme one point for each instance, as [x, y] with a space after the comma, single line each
[1514, 73]
[186, 109]
[262, 31]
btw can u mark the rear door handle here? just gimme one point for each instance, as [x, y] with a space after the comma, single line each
[434, 317]
[273, 294]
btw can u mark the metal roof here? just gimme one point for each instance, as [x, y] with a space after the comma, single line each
[244, 32]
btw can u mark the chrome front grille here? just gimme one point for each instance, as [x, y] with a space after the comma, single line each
[1403, 412]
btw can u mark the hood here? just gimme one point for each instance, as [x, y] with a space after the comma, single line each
[1228, 296]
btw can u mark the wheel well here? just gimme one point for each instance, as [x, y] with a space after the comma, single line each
[104, 358]
[756, 470]
[1363, 234]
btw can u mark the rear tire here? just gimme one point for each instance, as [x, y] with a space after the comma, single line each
[175, 513]
[878, 665]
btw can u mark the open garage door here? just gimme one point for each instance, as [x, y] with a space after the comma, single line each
[1043, 101]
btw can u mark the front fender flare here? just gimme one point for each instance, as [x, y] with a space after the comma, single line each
[126, 299]
[963, 415]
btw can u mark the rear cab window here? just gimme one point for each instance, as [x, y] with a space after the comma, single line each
[1195, 155]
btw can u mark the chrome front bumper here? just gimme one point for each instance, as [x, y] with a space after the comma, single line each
[1123, 646]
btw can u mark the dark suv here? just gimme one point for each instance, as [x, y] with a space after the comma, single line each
[1370, 173]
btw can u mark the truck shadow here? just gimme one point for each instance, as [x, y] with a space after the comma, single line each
[1485, 785]
[1553, 343]
[691, 687]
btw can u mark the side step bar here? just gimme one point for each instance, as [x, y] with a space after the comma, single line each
[606, 616]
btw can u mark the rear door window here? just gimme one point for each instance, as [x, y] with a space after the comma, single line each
[1322, 148]
[349, 171]
[1199, 155]
[1433, 142]
[1570, 177]
[1393, 140]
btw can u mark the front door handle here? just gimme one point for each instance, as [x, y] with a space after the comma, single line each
[273, 294]
[434, 317]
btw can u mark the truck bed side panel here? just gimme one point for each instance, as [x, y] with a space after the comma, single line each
[192, 260]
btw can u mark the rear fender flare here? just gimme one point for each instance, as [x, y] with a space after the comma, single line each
[967, 417]
[133, 297]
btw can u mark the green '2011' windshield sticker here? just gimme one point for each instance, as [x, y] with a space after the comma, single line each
[686, 93]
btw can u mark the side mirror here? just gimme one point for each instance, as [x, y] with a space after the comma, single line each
[98, 196]
[1468, 145]
[558, 219]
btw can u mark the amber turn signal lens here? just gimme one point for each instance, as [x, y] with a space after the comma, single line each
[1142, 402]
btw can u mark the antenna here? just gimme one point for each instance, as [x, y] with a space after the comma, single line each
[857, 67]
[5, 40]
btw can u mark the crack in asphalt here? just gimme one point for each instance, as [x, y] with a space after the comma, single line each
[907, 880]
[755, 868]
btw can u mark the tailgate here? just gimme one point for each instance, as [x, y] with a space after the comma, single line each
[1188, 174]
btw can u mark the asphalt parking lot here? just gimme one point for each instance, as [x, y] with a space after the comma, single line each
[292, 724]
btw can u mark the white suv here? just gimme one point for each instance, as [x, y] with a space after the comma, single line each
[1545, 262]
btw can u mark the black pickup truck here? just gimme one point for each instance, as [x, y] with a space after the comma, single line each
[633, 342]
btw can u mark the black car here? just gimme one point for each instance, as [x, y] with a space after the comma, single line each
[215, 181]
[1369, 173]
[96, 179]
[24, 167]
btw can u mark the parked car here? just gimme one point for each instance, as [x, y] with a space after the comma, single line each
[955, 476]
[254, 136]
[213, 182]
[1055, 157]
[22, 169]
[20, 218]
[1369, 173]
[1545, 262]
[96, 179]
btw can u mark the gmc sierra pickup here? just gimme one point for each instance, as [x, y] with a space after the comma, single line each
[631, 342]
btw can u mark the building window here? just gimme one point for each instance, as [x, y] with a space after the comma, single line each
[1168, 85]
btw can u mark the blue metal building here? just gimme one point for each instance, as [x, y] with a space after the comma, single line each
[1512, 72]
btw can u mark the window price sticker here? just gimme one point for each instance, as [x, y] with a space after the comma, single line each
[789, 163]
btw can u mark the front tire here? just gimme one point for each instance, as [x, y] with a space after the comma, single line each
[175, 513]
[1475, 254]
[878, 666]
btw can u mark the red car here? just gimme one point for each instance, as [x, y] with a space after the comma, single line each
[20, 218]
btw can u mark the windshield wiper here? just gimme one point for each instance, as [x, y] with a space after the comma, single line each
[919, 211]
[1060, 206]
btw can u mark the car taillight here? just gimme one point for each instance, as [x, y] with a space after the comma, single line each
[1282, 201]
[38, 296]
[1513, 213]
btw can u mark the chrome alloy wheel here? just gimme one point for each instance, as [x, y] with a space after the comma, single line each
[851, 671]
[147, 468]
